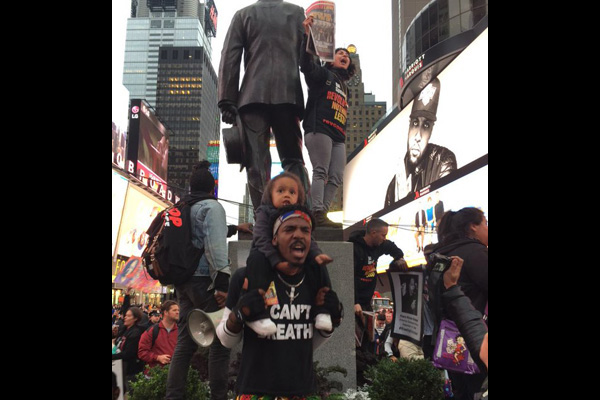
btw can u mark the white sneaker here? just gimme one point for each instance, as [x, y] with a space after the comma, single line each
[323, 322]
[264, 326]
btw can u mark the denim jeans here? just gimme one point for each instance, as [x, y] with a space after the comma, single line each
[328, 160]
[190, 295]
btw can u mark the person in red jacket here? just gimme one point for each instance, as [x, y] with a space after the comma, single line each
[159, 351]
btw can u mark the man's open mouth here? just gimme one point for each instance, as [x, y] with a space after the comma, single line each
[298, 248]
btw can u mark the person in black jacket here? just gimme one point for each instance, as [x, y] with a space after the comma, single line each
[369, 245]
[127, 345]
[325, 124]
[464, 233]
[468, 320]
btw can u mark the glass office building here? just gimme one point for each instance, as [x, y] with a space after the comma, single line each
[168, 63]
[187, 102]
[437, 21]
[144, 38]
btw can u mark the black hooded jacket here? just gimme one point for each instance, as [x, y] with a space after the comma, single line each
[474, 275]
[327, 105]
[473, 281]
[365, 266]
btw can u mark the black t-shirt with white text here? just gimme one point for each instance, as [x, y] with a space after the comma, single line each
[281, 364]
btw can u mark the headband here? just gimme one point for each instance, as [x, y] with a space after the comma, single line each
[288, 215]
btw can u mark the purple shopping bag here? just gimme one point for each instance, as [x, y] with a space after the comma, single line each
[451, 352]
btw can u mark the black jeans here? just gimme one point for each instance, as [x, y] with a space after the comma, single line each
[190, 295]
[465, 386]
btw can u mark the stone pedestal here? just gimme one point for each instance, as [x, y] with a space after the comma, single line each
[340, 349]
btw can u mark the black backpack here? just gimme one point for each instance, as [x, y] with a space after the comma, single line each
[155, 329]
[170, 256]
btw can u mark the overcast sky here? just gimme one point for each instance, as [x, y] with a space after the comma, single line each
[367, 25]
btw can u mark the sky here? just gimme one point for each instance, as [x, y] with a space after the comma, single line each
[367, 25]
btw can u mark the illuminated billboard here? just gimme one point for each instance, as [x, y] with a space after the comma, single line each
[119, 189]
[138, 212]
[119, 139]
[428, 143]
[413, 225]
[148, 148]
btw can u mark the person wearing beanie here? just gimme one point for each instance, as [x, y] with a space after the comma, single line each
[201, 180]
[325, 124]
[424, 162]
[207, 288]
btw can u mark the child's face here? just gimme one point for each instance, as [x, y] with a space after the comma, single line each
[284, 192]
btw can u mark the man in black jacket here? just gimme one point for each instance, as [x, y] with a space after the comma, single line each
[369, 245]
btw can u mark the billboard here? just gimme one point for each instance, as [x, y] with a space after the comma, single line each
[210, 19]
[212, 156]
[413, 225]
[119, 139]
[442, 131]
[138, 212]
[135, 276]
[119, 189]
[148, 148]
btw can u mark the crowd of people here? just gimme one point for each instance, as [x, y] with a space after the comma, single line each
[144, 337]
[281, 304]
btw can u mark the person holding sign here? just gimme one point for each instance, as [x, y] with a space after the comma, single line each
[325, 123]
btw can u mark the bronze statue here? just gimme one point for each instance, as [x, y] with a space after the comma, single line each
[268, 35]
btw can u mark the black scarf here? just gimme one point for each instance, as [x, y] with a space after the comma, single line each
[341, 73]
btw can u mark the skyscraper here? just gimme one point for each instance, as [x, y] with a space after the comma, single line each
[363, 110]
[420, 25]
[168, 63]
[156, 23]
[186, 103]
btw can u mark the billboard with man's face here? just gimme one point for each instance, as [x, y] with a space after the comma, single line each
[441, 131]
